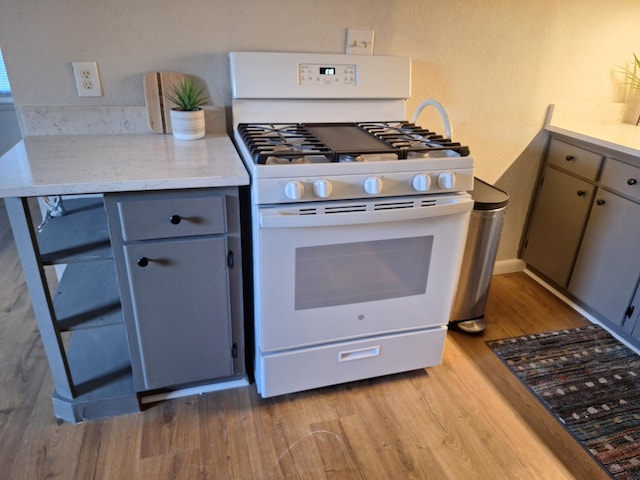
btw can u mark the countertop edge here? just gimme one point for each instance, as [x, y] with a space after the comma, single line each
[596, 124]
[124, 186]
[611, 145]
[91, 164]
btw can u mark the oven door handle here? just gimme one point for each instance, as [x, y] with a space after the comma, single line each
[276, 218]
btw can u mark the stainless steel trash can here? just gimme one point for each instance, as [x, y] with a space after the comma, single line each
[483, 237]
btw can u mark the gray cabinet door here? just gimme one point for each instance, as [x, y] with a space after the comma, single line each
[179, 293]
[632, 321]
[556, 225]
[608, 265]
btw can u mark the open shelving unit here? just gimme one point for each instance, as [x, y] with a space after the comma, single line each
[81, 323]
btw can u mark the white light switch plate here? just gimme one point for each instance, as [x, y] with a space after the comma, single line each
[360, 41]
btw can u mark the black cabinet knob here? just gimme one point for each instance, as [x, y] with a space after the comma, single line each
[143, 262]
[632, 181]
[175, 219]
[600, 202]
[568, 158]
[581, 193]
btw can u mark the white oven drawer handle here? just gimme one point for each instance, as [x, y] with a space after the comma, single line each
[275, 218]
[359, 354]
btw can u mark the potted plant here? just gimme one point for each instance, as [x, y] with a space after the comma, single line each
[187, 116]
[632, 76]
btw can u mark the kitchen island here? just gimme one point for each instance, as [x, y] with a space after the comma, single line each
[116, 331]
[583, 231]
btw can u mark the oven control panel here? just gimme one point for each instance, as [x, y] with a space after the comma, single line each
[323, 74]
[308, 189]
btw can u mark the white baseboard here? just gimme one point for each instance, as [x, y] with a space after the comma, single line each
[587, 316]
[509, 266]
[199, 390]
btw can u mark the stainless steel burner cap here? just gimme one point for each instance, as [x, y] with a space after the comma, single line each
[351, 158]
[418, 154]
[284, 161]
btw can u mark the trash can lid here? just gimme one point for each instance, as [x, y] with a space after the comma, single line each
[487, 197]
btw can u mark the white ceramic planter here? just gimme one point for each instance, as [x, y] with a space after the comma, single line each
[632, 113]
[187, 125]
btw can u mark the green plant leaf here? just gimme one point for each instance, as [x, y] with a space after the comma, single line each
[188, 95]
[632, 74]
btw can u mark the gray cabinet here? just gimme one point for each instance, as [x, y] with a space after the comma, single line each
[178, 260]
[608, 266]
[557, 223]
[607, 269]
[112, 328]
[632, 321]
[583, 234]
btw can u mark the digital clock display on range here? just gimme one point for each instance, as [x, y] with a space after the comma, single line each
[327, 70]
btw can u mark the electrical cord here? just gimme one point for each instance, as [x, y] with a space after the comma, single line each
[55, 208]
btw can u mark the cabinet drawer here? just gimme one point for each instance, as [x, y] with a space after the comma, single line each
[148, 218]
[314, 367]
[574, 159]
[622, 178]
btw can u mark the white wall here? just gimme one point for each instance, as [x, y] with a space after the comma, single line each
[495, 64]
[9, 129]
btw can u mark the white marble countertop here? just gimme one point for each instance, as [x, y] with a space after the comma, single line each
[598, 124]
[75, 164]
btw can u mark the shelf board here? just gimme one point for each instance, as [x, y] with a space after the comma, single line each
[80, 235]
[101, 371]
[88, 296]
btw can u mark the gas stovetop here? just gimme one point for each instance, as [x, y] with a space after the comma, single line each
[290, 143]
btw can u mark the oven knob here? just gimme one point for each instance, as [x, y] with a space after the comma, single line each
[421, 182]
[373, 185]
[447, 180]
[322, 188]
[294, 190]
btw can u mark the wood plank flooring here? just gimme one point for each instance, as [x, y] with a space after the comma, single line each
[468, 418]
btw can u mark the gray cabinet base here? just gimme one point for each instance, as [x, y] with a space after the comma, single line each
[79, 409]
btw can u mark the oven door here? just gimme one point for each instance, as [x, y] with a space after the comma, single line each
[332, 271]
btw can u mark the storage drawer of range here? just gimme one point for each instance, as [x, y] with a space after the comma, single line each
[622, 178]
[315, 367]
[574, 159]
[145, 217]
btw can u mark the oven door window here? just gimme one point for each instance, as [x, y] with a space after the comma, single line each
[348, 273]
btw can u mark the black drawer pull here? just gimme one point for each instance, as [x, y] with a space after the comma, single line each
[568, 158]
[600, 202]
[143, 262]
[632, 181]
[175, 219]
[581, 193]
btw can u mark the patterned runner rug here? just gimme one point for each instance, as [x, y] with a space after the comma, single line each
[591, 383]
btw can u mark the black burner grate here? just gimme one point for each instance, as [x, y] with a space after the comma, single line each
[282, 140]
[293, 141]
[412, 138]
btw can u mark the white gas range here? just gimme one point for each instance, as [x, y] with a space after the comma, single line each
[358, 218]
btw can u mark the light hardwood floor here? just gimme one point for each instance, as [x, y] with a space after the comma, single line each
[468, 418]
